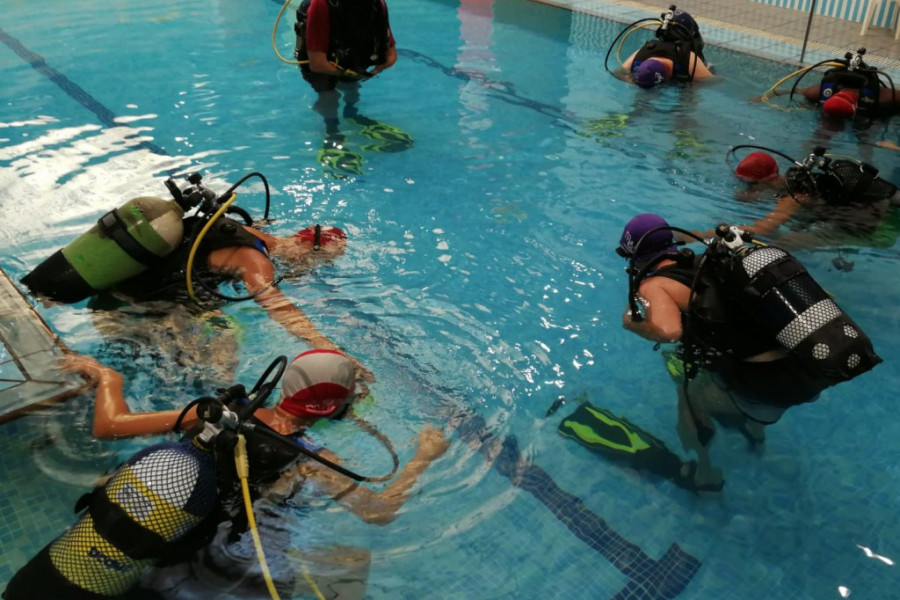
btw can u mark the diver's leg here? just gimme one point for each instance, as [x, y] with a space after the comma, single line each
[327, 106]
[696, 431]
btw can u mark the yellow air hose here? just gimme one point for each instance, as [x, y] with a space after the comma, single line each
[243, 470]
[771, 91]
[190, 260]
[627, 35]
[296, 62]
[242, 465]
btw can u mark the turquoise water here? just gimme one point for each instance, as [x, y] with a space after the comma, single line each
[479, 285]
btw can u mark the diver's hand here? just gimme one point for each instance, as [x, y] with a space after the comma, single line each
[432, 443]
[887, 144]
[85, 365]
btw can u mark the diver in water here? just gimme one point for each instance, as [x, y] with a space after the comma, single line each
[822, 200]
[341, 43]
[318, 384]
[849, 88]
[733, 365]
[207, 248]
[675, 55]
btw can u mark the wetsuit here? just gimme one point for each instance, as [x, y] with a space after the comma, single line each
[355, 34]
[678, 52]
[166, 281]
[719, 338]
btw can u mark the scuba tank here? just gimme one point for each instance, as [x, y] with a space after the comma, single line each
[776, 292]
[124, 242]
[151, 502]
[131, 239]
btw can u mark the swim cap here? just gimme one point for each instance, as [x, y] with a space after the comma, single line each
[655, 243]
[649, 73]
[841, 105]
[317, 384]
[757, 166]
[327, 235]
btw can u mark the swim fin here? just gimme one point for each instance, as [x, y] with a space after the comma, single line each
[388, 138]
[336, 155]
[619, 439]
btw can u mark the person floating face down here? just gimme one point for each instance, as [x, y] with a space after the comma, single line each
[753, 381]
[316, 385]
[676, 55]
[852, 89]
[232, 250]
[844, 202]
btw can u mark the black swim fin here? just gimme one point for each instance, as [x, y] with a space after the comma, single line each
[619, 439]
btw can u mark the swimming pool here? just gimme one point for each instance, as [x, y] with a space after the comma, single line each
[479, 282]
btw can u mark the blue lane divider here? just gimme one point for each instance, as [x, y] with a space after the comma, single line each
[72, 89]
[651, 579]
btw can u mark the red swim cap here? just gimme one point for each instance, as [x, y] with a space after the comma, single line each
[327, 235]
[841, 105]
[317, 384]
[757, 166]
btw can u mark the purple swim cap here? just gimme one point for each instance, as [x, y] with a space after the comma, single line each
[649, 73]
[655, 243]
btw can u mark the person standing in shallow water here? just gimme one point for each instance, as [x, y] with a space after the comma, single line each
[340, 44]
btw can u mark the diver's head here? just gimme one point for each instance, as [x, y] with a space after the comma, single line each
[757, 167]
[654, 244]
[318, 384]
[313, 242]
[650, 73]
[841, 105]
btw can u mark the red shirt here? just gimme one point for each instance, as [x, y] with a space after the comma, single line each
[318, 26]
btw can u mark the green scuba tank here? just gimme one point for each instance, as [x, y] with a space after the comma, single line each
[122, 244]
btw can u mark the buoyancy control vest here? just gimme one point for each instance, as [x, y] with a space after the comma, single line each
[166, 281]
[359, 33]
[864, 79]
[772, 293]
[715, 329]
[841, 182]
[678, 52]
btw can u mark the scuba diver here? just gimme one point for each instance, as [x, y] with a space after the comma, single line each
[823, 199]
[676, 54]
[282, 460]
[755, 333]
[850, 87]
[341, 43]
[168, 252]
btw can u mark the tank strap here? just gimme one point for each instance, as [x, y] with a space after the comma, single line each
[119, 529]
[785, 269]
[111, 224]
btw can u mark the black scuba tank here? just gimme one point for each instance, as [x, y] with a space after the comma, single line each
[155, 499]
[775, 290]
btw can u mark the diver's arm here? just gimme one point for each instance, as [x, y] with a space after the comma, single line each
[318, 63]
[628, 62]
[698, 69]
[112, 417]
[786, 207]
[390, 58]
[662, 314]
[379, 508]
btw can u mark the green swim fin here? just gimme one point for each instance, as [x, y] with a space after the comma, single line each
[336, 155]
[619, 439]
[388, 138]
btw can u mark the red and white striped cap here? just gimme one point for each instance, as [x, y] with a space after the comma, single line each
[317, 384]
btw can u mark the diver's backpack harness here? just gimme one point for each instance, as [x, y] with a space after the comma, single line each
[140, 235]
[165, 497]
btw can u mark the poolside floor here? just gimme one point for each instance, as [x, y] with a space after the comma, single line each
[29, 353]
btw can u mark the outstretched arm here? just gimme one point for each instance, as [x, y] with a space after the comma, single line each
[258, 273]
[112, 417]
[379, 508]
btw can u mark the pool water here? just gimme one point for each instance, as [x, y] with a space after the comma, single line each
[479, 285]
